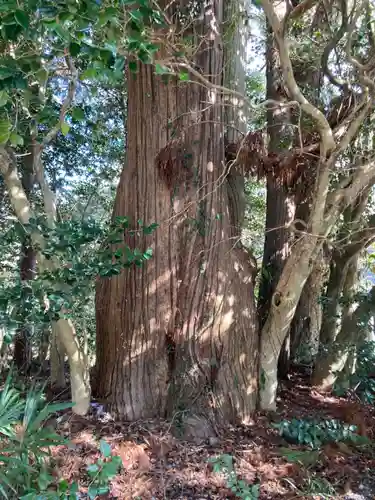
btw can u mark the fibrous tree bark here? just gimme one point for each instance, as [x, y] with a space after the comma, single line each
[22, 341]
[179, 334]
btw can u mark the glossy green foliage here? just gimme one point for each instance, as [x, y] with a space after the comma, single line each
[26, 440]
[84, 251]
[102, 471]
[224, 464]
[362, 381]
[43, 41]
[315, 434]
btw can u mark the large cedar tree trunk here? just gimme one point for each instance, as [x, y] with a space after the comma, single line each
[179, 333]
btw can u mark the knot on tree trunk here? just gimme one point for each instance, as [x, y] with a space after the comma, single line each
[174, 163]
[276, 299]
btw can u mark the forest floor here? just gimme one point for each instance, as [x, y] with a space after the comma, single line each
[159, 466]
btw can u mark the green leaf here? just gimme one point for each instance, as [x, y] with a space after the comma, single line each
[73, 490]
[44, 480]
[3, 98]
[133, 68]
[183, 76]
[61, 32]
[92, 469]
[89, 73]
[63, 486]
[22, 19]
[78, 114]
[110, 14]
[11, 32]
[5, 72]
[42, 76]
[93, 492]
[148, 254]
[65, 16]
[5, 127]
[65, 127]
[136, 16]
[74, 49]
[8, 20]
[151, 228]
[161, 70]
[8, 339]
[105, 449]
[16, 140]
[110, 469]
[123, 221]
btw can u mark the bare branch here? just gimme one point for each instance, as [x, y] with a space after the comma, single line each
[324, 129]
[348, 191]
[65, 105]
[48, 195]
[362, 69]
[332, 44]
[224, 90]
[360, 240]
[301, 9]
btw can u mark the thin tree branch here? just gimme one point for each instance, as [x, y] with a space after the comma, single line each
[332, 44]
[301, 9]
[65, 105]
[224, 90]
[355, 124]
[348, 191]
[324, 129]
[361, 239]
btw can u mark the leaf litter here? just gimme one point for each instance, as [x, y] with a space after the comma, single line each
[157, 465]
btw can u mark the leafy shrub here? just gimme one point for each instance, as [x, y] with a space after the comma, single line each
[316, 486]
[103, 471]
[303, 457]
[241, 489]
[25, 443]
[315, 434]
[362, 381]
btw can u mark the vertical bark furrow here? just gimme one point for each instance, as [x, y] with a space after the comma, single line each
[196, 294]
